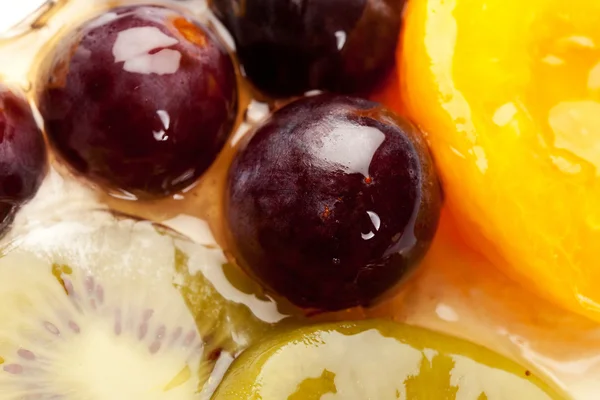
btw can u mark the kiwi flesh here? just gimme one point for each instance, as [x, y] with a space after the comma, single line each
[376, 359]
[96, 310]
[92, 337]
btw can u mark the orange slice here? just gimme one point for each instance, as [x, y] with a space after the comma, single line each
[509, 93]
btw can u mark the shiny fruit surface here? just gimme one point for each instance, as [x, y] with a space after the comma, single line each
[23, 157]
[375, 360]
[514, 129]
[333, 201]
[288, 47]
[140, 99]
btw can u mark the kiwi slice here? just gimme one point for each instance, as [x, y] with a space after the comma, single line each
[375, 360]
[241, 324]
[98, 308]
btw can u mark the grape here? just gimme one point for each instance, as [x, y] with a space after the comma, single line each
[288, 47]
[378, 360]
[139, 99]
[332, 202]
[23, 158]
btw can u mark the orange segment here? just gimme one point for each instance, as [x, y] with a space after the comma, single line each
[509, 93]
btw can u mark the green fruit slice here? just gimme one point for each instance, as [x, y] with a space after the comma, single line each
[103, 308]
[375, 360]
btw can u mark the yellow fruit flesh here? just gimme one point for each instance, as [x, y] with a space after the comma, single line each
[113, 309]
[509, 94]
[375, 360]
[55, 345]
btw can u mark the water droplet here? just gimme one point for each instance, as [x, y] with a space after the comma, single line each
[376, 222]
[341, 39]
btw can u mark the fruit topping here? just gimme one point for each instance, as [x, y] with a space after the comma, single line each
[100, 308]
[375, 360]
[140, 99]
[512, 117]
[332, 201]
[288, 47]
[23, 158]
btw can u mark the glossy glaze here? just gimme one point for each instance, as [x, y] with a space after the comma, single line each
[458, 291]
[140, 100]
[375, 360]
[333, 201]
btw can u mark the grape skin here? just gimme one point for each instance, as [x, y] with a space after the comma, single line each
[140, 99]
[332, 202]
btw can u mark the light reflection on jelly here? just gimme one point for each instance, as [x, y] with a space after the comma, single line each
[136, 49]
[15, 14]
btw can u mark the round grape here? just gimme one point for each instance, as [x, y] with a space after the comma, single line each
[23, 158]
[333, 201]
[140, 99]
[288, 47]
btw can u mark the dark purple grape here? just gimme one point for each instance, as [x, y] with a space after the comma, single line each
[139, 99]
[288, 47]
[23, 158]
[332, 202]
